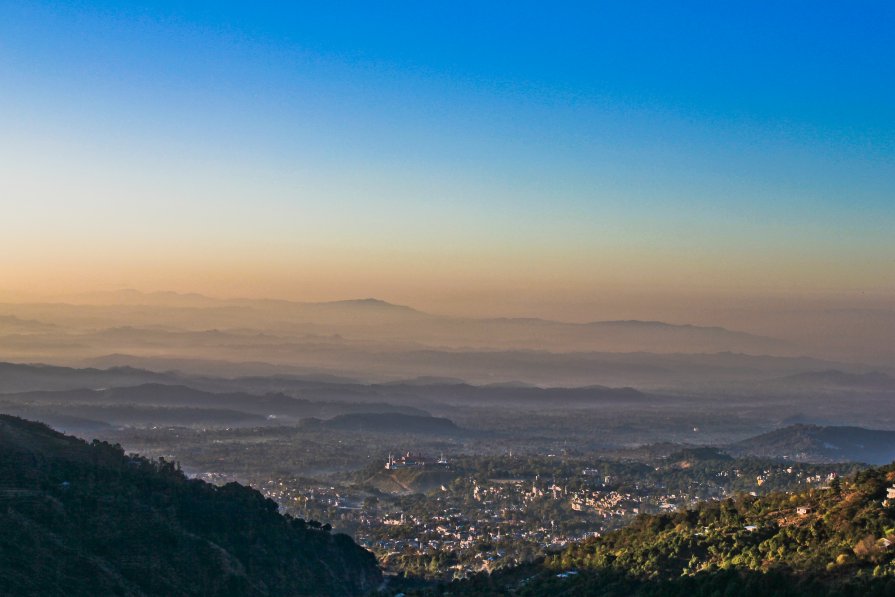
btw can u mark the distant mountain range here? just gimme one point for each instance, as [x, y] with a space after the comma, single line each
[386, 423]
[82, 410]
[480, 367]
[373, 341]
[148, 316]
[25, 377]
[10, 324]
[129, 296]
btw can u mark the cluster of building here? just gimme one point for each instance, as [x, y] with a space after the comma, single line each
[607, 504]
[410, 460]
[889, 502]
[477, 524]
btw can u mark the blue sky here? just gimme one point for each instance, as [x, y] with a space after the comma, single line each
[747, 144]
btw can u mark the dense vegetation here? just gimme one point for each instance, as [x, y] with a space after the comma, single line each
[843, 544]
[86, 519]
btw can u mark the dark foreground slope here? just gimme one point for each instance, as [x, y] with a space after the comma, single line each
[86, 519]
[836, 541]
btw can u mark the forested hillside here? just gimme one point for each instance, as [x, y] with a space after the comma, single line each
[86, 519]
[834, 541]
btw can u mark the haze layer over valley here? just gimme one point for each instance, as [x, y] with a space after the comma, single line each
[129, 359]
[372, 340]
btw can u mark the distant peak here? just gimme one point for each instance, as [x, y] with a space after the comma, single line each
[638, 323]
[369, 302]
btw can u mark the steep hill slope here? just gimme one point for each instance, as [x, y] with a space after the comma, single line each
[86, 519]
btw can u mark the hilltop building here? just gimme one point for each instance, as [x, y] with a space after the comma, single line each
[411, 460]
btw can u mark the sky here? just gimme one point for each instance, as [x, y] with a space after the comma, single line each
[556, 159]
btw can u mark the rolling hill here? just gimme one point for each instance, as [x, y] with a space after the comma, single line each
[815, 443]
[170, 404]
[394, 423]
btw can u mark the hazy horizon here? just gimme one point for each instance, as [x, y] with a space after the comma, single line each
[722, 308]
[580, 163]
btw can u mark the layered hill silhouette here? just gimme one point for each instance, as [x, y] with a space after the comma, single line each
[386, 423]
[81, 410]
[25, 377]
[86, 519]
[118, 319]
[817, 443]
[375, 341]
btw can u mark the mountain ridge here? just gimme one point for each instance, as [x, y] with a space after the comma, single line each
[133, 296]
